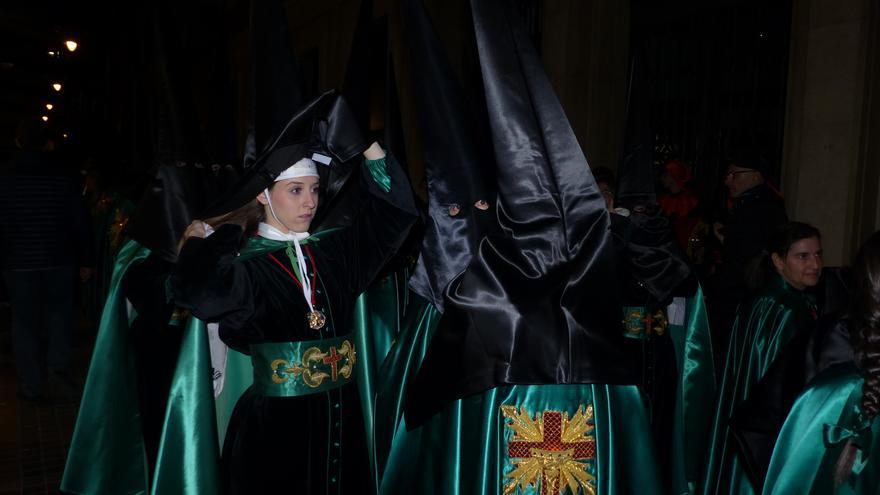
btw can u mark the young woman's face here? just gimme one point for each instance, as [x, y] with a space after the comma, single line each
[802, 264]
[294, 201]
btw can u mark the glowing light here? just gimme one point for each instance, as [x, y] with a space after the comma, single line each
[49, 106]
[65, 136]
[45, 118]
[56, 86]
[71, 45]
[51, 54]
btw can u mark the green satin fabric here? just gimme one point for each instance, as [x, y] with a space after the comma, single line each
[379, 172]
[189, 458]
[814, 434]
[375, 326]
[463, 449]
[195, 420]
[273, 379]
[107, 448]
[760, 330]
[257, 245]
[693, 410]
[399, 367]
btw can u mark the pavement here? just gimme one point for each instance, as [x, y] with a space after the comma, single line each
[35, 435]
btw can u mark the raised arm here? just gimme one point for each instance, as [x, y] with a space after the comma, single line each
[208, 281]
[381, 225]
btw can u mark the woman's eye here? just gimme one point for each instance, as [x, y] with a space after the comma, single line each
[296, 190]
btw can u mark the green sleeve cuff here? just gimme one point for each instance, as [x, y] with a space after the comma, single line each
[379, 172]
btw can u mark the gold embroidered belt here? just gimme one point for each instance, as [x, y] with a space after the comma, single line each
[290, 369]
[639, 323]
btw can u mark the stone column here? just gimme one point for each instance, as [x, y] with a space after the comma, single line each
[831, 153]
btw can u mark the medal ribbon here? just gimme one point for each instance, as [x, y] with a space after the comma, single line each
[306, 285]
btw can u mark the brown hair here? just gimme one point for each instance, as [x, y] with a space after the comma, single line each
[247, 217]
[865, 337]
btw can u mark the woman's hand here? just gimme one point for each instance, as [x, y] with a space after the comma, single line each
[374, 152]
[197, 228]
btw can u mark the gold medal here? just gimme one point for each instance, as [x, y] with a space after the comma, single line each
[317, 320]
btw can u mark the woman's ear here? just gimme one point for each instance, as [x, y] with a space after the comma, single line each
[778, 262]
[261, 198]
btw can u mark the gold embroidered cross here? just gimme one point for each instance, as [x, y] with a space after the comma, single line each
[553, 447]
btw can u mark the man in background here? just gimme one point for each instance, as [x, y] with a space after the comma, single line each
[754, 210]
[45, 245]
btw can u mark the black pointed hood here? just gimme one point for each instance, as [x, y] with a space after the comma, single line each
[636, 184]
[455, 163]
[173, 198]
[273, 85]
[290, 145]
[537, 304]
[191, 158]
[340, 189]
[651, 267]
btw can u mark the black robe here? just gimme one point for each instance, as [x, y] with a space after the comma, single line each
[652, 271]
[312, 443]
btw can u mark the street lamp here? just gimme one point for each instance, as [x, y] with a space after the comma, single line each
[56, 86]
[71, 45]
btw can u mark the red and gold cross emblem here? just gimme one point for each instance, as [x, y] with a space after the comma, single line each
[332, 360]
[551, 447]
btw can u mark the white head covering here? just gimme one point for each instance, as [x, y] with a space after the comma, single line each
[305, 167]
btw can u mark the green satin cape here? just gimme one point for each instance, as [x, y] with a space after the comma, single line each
[761, 329]
[107, 448]
[696, 384]
[464, 449]
[824, 417]
[375, 324]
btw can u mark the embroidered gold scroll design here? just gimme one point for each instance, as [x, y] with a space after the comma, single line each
[317, 365]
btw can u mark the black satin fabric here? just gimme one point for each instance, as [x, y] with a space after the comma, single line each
[756, 422]
[273, 85]
[458, 164]
[537, 303]
[313, 443]
[174, 196]
[651, 268]
[289, 145]
[834, 291]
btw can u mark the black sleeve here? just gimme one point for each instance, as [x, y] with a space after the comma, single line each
[378, 230]
[210, 283]
[144, 287]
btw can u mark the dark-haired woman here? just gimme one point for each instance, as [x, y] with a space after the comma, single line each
[827, 442]
[763, 325]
